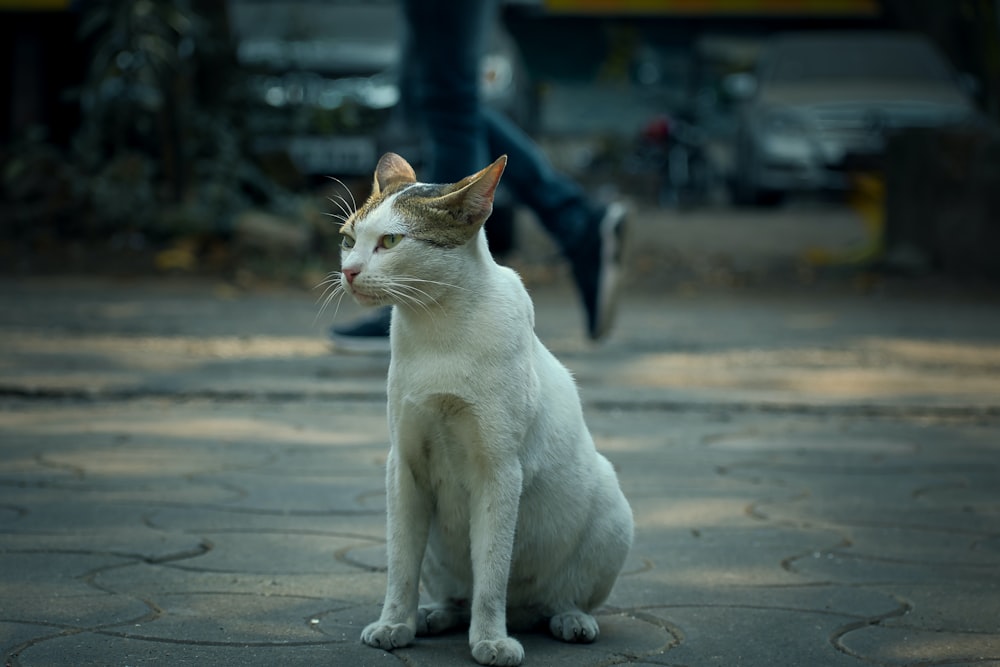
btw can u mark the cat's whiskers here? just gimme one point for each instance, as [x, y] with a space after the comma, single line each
[354, 204]
[332, 288]
[408, 283]
[333, 294]
[411, 296]
[347, 208]
[328, 279]
[345, 212]
[332, 284]
[405, 287]
[336, 216]
[412, 279]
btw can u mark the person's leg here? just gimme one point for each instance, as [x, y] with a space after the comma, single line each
[558, 201]
[590, 235]
[440, 66]
[446, 40]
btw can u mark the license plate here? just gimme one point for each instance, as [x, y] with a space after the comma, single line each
[333, 155]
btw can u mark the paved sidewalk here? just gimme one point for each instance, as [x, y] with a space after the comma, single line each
[189, 476]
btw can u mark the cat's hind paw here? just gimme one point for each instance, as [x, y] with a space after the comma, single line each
[436, 619]
[574, 626]
[505, 651]
[387, 636]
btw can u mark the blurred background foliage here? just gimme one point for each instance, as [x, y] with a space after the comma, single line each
[158, 162]
[126, 138]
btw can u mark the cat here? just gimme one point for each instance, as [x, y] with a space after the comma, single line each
[497, 500]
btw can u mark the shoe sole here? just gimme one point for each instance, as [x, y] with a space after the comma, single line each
[612, 232]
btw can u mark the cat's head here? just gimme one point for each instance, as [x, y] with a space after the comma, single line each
[404, 244]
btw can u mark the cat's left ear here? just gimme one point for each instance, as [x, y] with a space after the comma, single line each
[391, 169]
[472, 197]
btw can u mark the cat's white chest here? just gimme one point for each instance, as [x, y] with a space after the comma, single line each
[441, 432]
[440, 456]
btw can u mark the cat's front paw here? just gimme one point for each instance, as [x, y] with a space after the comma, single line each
[574, 626]
[387, 636]
[506, 651]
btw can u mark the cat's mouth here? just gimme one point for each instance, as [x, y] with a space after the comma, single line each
[364, 298]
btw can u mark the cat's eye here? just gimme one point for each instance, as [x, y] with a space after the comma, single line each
[347, 242]
[390, 240]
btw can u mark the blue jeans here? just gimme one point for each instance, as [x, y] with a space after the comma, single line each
[445, 42]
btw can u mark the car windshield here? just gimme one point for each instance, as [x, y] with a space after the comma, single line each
[895, 58]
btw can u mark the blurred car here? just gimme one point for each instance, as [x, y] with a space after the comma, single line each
[821, 104]
[324, 82]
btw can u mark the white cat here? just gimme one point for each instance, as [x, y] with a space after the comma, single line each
[498, 501]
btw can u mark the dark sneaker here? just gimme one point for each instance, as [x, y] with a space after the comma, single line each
[367, 334]
[597, 269]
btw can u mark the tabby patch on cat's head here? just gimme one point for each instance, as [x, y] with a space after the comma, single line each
[391, 175]
[445, 216]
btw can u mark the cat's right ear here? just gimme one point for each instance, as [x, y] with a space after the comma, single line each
[392, 169]
[471, 199]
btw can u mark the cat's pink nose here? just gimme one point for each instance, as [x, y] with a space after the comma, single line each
[350, 273]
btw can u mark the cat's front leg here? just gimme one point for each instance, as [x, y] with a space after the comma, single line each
[407, 521]
[493, 520]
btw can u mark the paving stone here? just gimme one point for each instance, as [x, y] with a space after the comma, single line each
[187, 479]
[623, 638]
[756, 637]
[908, 646]
[53, 590]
